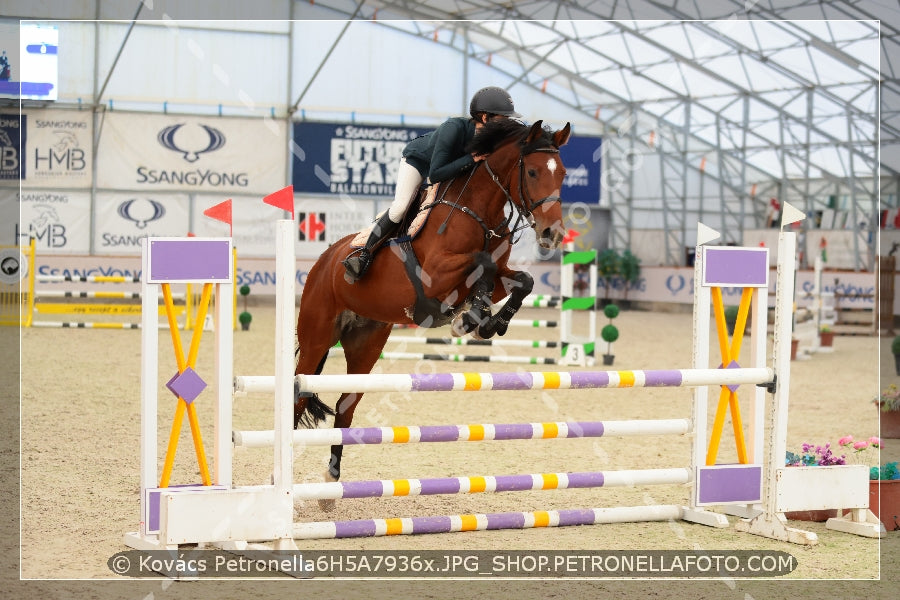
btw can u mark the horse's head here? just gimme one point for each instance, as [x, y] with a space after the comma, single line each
[540, 181]
[529, 170]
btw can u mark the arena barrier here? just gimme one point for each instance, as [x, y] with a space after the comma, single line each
[758, 488]
[14, 272]
[123, 312]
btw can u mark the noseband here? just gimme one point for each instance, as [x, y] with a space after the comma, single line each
[525, 207]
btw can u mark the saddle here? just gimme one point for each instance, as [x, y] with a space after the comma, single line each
[413, 222]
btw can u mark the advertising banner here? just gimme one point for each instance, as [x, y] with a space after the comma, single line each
[321, 223]
[350, 159]
[191, 153]
[121, 219]
[58, 149]
[59, 221]
[362, 160]
[12, 161]
[581, 157]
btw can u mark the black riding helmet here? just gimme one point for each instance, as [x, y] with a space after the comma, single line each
[493, 100]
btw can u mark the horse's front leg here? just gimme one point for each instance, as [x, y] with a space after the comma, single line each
[481, 281]
[518, 286]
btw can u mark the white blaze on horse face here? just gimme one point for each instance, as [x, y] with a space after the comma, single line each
[551, 164]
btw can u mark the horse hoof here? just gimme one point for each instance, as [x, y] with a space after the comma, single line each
[326, 505]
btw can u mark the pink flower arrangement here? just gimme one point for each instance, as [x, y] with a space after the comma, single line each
[812, 455]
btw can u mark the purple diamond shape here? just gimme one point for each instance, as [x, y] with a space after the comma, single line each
[186, 385]
[732, 365]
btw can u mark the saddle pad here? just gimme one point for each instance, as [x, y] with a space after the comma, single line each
[414, 227]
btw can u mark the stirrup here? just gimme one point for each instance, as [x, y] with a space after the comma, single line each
[357, 264]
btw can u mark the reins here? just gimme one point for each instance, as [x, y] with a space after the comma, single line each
[525, 208]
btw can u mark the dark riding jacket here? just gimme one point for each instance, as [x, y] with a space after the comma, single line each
[441, 154]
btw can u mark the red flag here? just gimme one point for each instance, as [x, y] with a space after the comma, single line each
[283, 199]
[570, 236]
[221, 212]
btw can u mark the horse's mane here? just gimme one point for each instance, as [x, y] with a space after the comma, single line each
[495, 133]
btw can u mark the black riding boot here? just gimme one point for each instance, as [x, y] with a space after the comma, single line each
[360, 260]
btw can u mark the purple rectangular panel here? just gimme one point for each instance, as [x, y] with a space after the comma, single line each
[735, 267]
[189, 259]
[722, 484]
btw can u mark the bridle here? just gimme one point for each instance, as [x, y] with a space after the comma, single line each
[524, 208]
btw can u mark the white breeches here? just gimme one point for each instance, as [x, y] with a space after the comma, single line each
[408, 182]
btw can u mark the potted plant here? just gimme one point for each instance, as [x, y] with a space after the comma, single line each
[610, 333]
[884, 494]
[889, 403]
[812, 455]
[608, 266]
[630, 270]
[895, 350]
[826, 336]
[245, 317]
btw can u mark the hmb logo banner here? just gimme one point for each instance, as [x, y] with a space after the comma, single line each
[192, 153]
[58, 149]
[12, 161]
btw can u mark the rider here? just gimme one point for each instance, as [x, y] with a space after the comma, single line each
[437, 156]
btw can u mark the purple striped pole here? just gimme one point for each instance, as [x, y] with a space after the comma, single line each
[524, 380]
[481, 522]
[467, 433]
[497, 483]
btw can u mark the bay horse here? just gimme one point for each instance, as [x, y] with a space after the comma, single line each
[463, 249]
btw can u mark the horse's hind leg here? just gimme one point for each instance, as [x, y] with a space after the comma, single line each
[362, 343]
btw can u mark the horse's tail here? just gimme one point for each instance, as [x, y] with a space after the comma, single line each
[314, 410]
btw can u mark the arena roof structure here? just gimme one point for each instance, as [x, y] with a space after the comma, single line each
[798, 94]
[739, 104]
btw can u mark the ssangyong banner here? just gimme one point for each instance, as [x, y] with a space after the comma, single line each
[349, 159]
[122, 219]
[58, 149]
[59, 221]
[191, 153]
